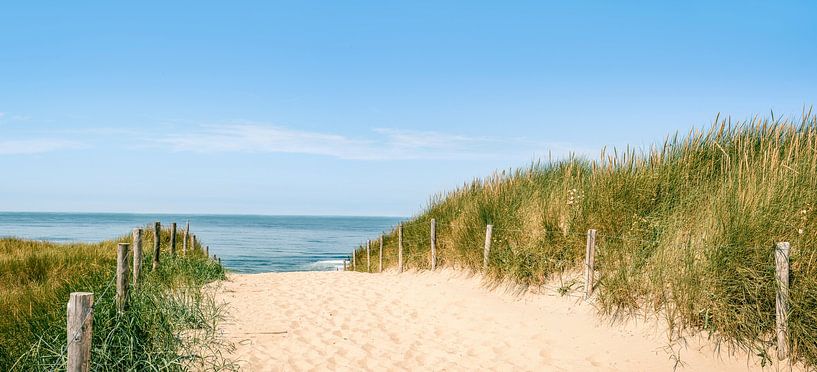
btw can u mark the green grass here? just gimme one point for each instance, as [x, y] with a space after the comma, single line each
[170, 323]
[686, 229]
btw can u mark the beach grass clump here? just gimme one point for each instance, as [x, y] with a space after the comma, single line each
[169, 322]
[686, 229]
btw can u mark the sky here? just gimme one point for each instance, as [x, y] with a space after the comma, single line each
[363, 107]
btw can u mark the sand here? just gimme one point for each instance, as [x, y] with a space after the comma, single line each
[440, 321]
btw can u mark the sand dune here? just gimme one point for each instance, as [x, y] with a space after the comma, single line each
[438, 321]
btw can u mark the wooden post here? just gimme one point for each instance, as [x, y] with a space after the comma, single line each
[207, 250]
[433, 243]
[157, 237]
[381, 253]
[781, 266]
[400, 248]
[369, 256]
[121, 276]
[219, 261]
[354, 264]
[186, 237]
[173, 239]
[137, 256]
[193, 242]
[80, 331]
[487, 250]
[589, 263]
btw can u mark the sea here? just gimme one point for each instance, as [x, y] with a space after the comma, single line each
[245, 243]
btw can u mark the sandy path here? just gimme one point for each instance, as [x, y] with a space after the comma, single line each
[434, 321]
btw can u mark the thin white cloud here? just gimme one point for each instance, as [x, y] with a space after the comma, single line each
[383, 144]
[35, 146]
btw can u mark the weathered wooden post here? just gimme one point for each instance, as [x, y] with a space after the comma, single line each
[80, 331]
[173, 239]
[487, 249]
[381, 253]
[157, 240]
[207, 250]
[186, 237]
[137, 256]
[400, 248]
[781, 266]
[369, 256]
[121, 276]
[354, 264]
[433, 243]
[589, 263]
[219, 261]
[193, 242]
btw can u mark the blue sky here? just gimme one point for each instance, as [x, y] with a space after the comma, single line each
[362, 107]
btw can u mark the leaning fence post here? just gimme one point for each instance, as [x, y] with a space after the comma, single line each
[157, 236]
[433, 243]
[781, 266]
[487, 249]
[400, 248]
[121, 276]
[369, 256]
[137, 256]
[381, 253]
[173, 239]
[589, 263]
[80, 324]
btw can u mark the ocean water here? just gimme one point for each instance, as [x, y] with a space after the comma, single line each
[247, 244]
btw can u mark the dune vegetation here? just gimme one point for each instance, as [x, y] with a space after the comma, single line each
[686, 230]
[169, 323]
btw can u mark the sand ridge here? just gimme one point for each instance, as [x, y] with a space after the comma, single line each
[440, 321]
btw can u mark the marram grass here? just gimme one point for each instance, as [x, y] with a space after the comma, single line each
[169, 323]
[686, 229]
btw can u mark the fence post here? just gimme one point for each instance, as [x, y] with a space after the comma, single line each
[193, 242]
[781, 266]
[207, 250]
[354, 264]
[137, 256]
[487, 249]
[80, 325]
[219, 261]
[589, 263]
[381, 253]
[186, 237]
[368, 256]
[157, 237]
[121, 276]
[433, 243]
[400, 248]
[173, 239]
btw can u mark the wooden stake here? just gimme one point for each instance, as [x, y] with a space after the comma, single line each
[137, 256]
[354, 264]
[121, 276]
[433, 243]
[193, 242]
[781, 266]
[173, 239]
[368, 256]
[487, 249]
[400, 248]
[186, 237]
[157, 241]
[381, 253]
[80, 331]
[207, 250]
[589, 263]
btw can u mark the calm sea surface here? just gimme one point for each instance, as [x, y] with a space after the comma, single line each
[247, 244]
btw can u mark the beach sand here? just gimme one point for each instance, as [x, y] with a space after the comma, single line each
[440, 321]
